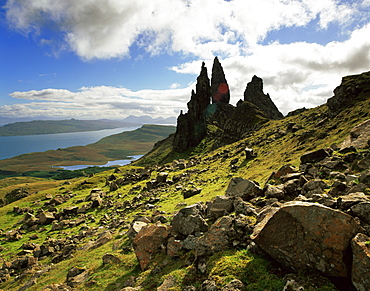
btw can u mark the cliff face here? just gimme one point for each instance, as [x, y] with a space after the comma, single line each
[232, 122]
[254, 94]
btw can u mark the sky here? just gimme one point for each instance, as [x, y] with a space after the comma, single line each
[92, 59]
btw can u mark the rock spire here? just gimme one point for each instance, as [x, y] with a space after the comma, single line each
[219, 87]
[191, 126]
[254, 94]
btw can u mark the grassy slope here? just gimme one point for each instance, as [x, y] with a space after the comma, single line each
[114, 147]
[58, 126]
[272, 154]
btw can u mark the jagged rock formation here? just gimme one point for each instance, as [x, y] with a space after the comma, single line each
[219, 87]
[191, 126]
[254, 94]
[232, 122]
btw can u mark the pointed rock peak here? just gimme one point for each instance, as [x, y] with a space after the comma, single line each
[219, 87]
[254, 94]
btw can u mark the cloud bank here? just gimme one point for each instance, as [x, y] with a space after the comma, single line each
[295, 73]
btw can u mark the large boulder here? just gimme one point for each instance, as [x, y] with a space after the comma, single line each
[246, 189]
[220, 206]
[148, 242]
[189, 220]
[361, 262]
[302, 235]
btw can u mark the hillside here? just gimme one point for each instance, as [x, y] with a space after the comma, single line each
[58, 126]
[115, 147]
[283, 206]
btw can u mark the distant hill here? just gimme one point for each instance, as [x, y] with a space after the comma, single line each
[146, 119]
[59, 126]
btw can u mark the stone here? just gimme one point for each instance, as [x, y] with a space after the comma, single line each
[76, 276]
[314, 156]
[361, 262]
[134, 229]
[234, 285]
[254, 94]
[168, 283]
[16, 194]
[302, 235]
[275, 191]
[249, 153]
[162, 177]
[189, 220]
[57, 287]
[174, 246]
[365, 178]
[149, 241]
[220, 206]
[187, 193]
[358, 137]
[362, 210]
[110, 259]
[246, 189]
[219, 87]
[315, 186]
[217, 238]
[46, 218]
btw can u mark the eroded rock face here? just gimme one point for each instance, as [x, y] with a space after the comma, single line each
[361, 262]
[359, 136]
[303, 235]
[254, 94]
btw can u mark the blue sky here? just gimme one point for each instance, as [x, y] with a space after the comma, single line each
[94, 59]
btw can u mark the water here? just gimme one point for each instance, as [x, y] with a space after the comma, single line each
[11, 146]
[109, 164]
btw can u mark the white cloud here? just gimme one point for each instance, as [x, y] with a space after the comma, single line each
[98, 102]
[105, 29]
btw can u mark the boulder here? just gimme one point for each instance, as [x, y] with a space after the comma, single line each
[234, 285]
[220, 206]
[362, 210]
[189, 220]
[110, 259]
[302, 235]
[361, 262]
[134, 229]
[246, 189]
[358, 137]
[217, 238]
[46, 218]
[149, 241]
[314, 156]
[162, 177]
[275, 191]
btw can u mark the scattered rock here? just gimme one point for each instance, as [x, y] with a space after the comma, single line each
[361, 262]
[189, 220]
[246, 189]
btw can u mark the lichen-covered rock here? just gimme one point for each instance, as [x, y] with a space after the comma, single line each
[220, 206]
[303, 235]
[149, 241]
[361, 262]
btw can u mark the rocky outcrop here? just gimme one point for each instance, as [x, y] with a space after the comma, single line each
[359, 137]
[352, 89]
[254, 94]
[219, 87]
